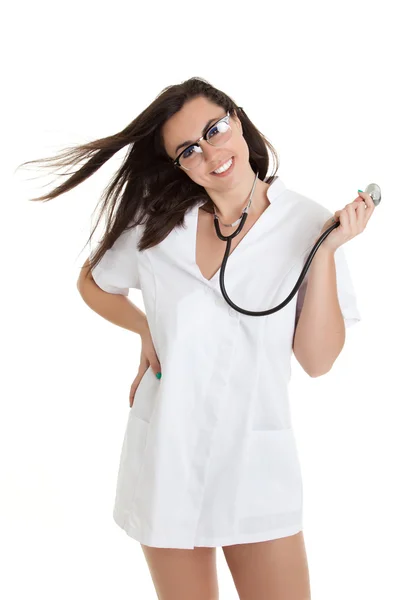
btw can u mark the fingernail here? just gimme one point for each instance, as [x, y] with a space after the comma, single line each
[158, 375]
[359, 191]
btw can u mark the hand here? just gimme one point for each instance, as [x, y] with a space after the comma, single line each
[148, 357]
[353, 220]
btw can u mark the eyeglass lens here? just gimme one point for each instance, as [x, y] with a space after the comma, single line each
[217, 135]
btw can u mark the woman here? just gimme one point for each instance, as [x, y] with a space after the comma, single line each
[209, 456]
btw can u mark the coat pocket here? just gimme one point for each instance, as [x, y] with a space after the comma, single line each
[145, 396]
[271, 482]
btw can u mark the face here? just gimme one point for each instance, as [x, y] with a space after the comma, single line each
[188, 125]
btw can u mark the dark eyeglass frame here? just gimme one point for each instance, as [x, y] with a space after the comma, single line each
[176, 162]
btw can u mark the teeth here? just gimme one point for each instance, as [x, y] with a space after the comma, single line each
[224, 167]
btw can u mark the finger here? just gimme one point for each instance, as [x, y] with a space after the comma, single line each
[354, 219]
[133, 389]
[154, 362]
[369, 204]
[132, 393]
[359, 203]
[361, 214]
[156, 367]
[344, 220]
[336, 216]
[132, 398]
[135, 383]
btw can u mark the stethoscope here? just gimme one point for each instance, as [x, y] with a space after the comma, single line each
[372, 189]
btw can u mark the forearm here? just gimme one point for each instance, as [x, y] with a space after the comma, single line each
[116, 308]
[320, 332]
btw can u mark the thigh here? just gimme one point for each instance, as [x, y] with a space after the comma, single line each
[271, 570]
[179, 574]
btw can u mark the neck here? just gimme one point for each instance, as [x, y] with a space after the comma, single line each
[229, 208]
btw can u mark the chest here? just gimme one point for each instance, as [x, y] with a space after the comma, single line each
[210, 249]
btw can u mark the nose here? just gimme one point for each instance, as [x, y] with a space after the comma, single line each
[210, 155]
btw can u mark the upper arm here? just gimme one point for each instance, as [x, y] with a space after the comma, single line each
[118, 269]
[85, 273]
[345, 291]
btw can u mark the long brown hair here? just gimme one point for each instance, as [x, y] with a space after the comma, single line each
[147, 188]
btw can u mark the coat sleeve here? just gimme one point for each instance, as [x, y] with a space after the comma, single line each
[117, 270]
[345, 290]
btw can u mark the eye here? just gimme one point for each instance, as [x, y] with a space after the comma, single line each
[188, 152]
[215, 129]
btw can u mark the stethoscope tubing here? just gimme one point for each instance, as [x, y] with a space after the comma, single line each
[376, 197]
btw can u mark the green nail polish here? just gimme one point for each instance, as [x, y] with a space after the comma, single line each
[158, 375]
[359, 190]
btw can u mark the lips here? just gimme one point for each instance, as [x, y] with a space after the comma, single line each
[222, 163]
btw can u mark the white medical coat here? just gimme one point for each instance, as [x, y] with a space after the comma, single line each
[209, 456]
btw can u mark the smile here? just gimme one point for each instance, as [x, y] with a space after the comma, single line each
[225, 168]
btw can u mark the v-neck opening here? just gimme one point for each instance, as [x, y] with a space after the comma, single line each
[254, 226]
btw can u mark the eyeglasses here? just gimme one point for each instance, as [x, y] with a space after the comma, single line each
[217, 135]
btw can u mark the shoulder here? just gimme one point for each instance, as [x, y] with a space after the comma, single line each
[315, 212]
[131, 234]
[303, 218]
[125, 244]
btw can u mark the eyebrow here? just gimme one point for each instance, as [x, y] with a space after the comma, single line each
[188, 142]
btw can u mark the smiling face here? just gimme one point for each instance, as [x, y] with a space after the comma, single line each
[187, 125]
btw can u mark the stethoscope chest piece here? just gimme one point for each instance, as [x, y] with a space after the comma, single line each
[374, 191]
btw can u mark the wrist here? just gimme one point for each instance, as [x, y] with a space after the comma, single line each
[322, 258]
[325, 251]
[143, 326]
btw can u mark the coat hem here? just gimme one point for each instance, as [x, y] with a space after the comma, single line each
[243, 538]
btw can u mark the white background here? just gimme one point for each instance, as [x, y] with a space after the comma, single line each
[320, 80]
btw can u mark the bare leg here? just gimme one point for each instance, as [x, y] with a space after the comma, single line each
[180, 574]
[271, 570]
